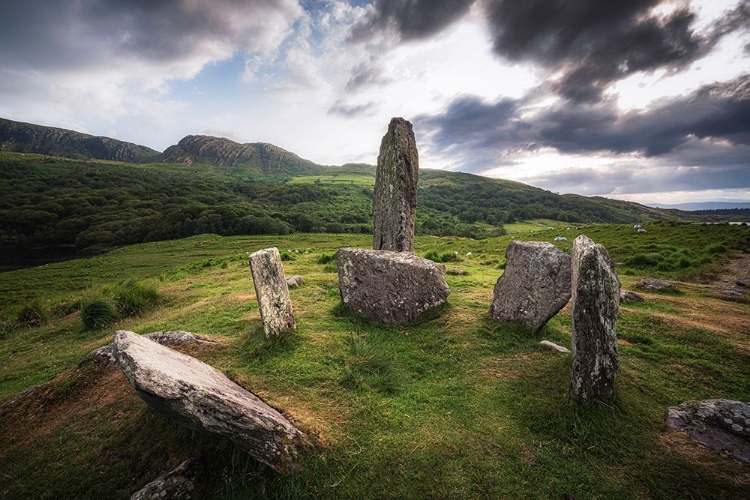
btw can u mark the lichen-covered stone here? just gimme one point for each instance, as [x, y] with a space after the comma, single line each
[655, 284]
[294, 281]
[534, 286]
[104, 356]
[720, 424]
[272, 292]
[178, 484]
[596, 296]
[389, 287]
[395, 199]
[200, 397]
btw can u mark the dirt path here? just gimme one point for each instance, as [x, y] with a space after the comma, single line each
[735, 285]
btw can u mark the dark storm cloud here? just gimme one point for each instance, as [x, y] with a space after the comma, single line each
[717, 112]
[41, 34]
[589, 43]
[411, 18]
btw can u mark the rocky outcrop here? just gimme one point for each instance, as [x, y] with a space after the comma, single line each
[389, 287]
[534, 286]
[201, 398]
[272, 292]
[720, 424]
[27, 138]
[395, 199]
[178, 484]
[105, 355]
[596, 296]
[221, 151]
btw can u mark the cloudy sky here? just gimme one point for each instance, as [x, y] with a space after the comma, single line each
[645, 100]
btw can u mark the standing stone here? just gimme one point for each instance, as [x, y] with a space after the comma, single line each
[200, 397]
[596, 296]
[272, 291]
[395, 201]
[534, 286]
[389, 287]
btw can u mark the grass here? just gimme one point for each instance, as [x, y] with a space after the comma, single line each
[454, 406]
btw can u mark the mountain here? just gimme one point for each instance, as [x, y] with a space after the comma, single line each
[28, 138]
[224, 152]
[703, 206]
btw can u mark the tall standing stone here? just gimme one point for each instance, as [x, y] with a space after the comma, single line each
[534, 286]
[596, 297]
[272, 291]
[395, 201]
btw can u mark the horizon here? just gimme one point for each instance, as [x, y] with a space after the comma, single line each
[649, 101]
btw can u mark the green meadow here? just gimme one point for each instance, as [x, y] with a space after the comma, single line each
[453, 406]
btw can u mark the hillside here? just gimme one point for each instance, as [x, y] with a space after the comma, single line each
[28, 138]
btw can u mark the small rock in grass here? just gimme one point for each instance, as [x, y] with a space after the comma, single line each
[554, 346]
[628, 296]
[294, 281]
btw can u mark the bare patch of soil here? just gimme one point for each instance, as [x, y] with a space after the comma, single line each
[735, 285]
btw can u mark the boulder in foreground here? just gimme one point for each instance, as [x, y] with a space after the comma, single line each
[534, 286]
[389, 287]
[202, 398]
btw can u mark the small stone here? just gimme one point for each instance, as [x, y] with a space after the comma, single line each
[534, 286]
[394, 201]
[294, 281]
[177, 484]
[554, 346]
[272, 292]
[628, 296]
[457, 272]
[655, 284]
[596, 296]
[389, 287]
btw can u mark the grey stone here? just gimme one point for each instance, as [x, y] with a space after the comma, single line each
[720, 424]
[457, 272]
[389, 287]
[556, 347]
[628, 296]
[178, 484]
[395, 199]
[199, 397]
[294, 281]
[596, 296]
[105, 357]
[534, 286]
[655, 284]
[272, 292]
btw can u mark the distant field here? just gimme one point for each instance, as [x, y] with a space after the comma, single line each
[454, 406]
[335, 179]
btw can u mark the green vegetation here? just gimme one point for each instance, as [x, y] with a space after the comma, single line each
[455, 406]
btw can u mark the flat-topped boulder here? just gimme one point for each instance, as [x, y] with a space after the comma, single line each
[389, 287]
[394, 203]
[534, 286]
[200, 397]
[720, 424]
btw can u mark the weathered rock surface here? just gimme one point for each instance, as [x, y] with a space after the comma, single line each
[294, 281]
[535, 285]
[556, 347]
[272, 291]
[389, 287]
[655, 284]
[105, 356]
[395, 200]
[628, 296]
[202, 398]
[596, 296]
[457, 272]
[177, 484]
[720, 424]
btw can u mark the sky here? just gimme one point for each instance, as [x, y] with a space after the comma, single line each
[641, 100]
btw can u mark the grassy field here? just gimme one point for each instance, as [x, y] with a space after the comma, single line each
[455, 406]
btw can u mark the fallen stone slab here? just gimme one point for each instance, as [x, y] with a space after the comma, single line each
[720, 424]
[556, 347]
[596, 298]
[394, 202]
[200, 397]
[389, 287]
[104, 356]
[272, 292]
[178, 484]
[628, 296]
[534, 286]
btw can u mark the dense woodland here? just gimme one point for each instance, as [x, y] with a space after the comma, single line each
[90, 204]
